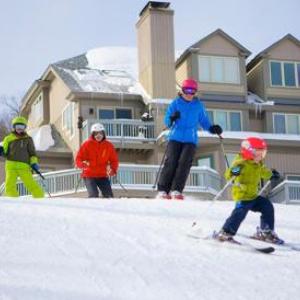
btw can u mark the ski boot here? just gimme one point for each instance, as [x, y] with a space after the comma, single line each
[163, 196]
[224, 236]
[268, 236]
[177, 195]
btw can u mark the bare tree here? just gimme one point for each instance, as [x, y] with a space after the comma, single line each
[10, 107]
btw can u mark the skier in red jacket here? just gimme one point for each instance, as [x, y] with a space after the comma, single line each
[98, 159]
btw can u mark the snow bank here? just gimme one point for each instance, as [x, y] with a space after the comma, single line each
[42, 137]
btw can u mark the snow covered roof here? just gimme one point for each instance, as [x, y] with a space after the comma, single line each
[105, 70]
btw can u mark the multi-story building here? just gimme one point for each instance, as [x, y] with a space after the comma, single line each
[105, 84]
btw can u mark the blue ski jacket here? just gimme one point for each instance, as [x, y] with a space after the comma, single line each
[192, 116]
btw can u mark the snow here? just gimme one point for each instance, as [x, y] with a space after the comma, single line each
[109, 70]
[114, 58]
[42, 137]
[240, 135]
[67, 248]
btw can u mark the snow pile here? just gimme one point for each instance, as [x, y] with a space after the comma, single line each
[114, 58]
[42, 137]
[128, 249]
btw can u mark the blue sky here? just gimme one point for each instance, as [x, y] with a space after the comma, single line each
[35, 33]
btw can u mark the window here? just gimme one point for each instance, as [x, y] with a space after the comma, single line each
[276, 78]
[68, 118]
[219, 69]
[228, 120]
[286, 74]
[206, 161]
[118, 113]
[37, 109]
[286, 123]
[123, 113]
[106, 114]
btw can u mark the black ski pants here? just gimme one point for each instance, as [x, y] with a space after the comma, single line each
[103, 183]
[177, 165]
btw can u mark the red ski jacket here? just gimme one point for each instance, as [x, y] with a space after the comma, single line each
[95, 157]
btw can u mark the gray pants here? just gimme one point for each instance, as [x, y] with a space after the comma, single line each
[94, 184]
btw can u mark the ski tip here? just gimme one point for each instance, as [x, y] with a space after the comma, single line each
[266, 250]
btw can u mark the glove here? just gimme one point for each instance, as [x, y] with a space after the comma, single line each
[275, 175]
[175, 116]
[110, 172]
[35, 167]
[215, 129]
[1, 151]
[235, 171]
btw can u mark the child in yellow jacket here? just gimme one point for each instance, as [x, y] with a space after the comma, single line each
[19, 151]
[248, 170]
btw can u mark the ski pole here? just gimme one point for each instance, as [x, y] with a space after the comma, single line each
[223, 150]
[160, 167]
[77, 184]
[121, 185]
[42, 181]
[264, 188]
[223, 189]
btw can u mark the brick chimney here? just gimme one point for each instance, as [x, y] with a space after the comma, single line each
[156, 55]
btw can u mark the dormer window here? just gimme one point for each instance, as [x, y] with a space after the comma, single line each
[218, 69]
[284, 74]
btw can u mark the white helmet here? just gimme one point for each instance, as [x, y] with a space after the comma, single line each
[97, 127]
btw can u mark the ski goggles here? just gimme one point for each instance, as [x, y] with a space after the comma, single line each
[19, 126]
[100, 133]
[188, 91]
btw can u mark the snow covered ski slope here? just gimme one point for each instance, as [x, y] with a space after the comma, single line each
[121, 249]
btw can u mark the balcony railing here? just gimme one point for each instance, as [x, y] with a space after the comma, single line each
[123, 130]
[286, 192]
[132, 177]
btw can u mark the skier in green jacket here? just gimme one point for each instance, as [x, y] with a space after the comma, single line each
[247, 170]
[19, 151]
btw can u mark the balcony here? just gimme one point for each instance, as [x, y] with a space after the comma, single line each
[132, 180]
[126, 133]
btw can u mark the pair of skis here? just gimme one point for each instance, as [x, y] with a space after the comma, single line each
[247, 246]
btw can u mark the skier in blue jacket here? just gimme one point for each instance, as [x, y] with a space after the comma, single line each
[184, 116]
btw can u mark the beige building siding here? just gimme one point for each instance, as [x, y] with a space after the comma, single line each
[182, 72]
[286, 161]
[283, 92]
[256, 121]
[225, 89]
[256, 80]
[286, 50]
[57, 97]
[156, 54]
[218, 45]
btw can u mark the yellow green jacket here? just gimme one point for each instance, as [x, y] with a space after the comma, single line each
[246, 185]
[19, 151]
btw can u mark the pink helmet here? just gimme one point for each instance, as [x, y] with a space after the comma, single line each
[190, 84]
[250, 145]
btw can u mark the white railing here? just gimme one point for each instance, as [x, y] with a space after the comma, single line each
[123, 130]
[131, 177]
[286, 192]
